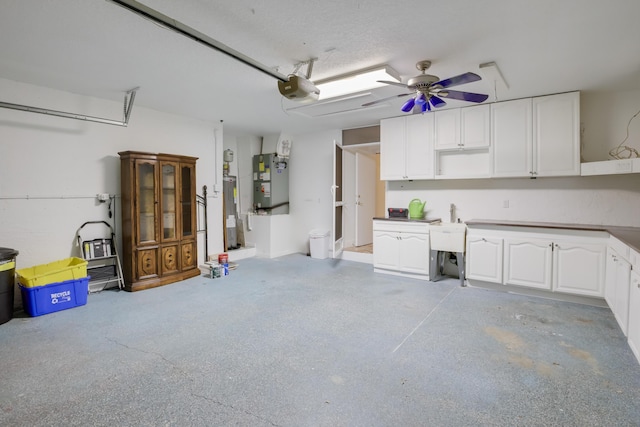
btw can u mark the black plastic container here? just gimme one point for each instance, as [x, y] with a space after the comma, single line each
[7, 283]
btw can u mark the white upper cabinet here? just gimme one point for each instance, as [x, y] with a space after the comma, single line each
[475, 126]
[556, 134]
[419, 143]
[536, 136]
[512, 138]
[462, 128]
[529, 137]
[392, 149]
[406, 147]
[447, 129]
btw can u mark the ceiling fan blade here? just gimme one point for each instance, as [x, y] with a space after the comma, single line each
[386, 99]
[458, 80]
[388, 82]
[437, 102]
[463, 96]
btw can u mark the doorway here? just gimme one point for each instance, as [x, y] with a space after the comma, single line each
[363, 196]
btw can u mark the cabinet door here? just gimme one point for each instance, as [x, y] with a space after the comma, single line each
[633, 331]
[556, 134]
[610, 278]
[385, 249]
[188, 255]
[528, 263]
[484, 258]
[169, 259]
[447, 129]
[621, 299]
[579, 268]
[413, 254]
[146, 202]
[392, 149]
[169, 200]
[147, 263]
[512, 138]
[419, 146]
[187, 200]
[475, 125]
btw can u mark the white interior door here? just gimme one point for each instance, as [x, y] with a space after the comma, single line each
[336, 191]
[365, 198]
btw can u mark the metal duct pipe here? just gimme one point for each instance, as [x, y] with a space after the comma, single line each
[185, 30]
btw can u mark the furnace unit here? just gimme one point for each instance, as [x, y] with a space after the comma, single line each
[271, 184]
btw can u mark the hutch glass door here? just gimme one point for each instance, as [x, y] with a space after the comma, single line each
[169, 221]
[188, 211]
[147, 202]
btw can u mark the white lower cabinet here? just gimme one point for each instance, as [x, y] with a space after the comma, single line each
[401, 248]
[527, 262]
[484, 258]
[617, 287]
[579, 268]
[633, 331]
[547, 260]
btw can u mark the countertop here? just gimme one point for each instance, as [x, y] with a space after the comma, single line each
[425, 220]
[628, 235]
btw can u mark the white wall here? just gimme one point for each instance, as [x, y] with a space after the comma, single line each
[610, 200]
[51, 168]
[604, 117]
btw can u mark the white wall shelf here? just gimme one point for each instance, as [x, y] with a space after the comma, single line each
[610, 167]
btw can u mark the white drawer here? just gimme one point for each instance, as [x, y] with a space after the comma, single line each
[401, 226]
[621, 248]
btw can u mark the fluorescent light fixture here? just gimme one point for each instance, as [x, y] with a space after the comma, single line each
[357, 81]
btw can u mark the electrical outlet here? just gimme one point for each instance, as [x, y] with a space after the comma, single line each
[505, 204]
[103, 197]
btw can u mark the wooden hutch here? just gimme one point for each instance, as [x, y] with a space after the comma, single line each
[158, 219]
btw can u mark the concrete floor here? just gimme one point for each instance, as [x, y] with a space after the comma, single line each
[296, 341]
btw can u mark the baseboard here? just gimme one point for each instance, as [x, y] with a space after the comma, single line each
[357, 257]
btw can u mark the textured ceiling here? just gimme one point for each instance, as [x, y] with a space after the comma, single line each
[97, 48]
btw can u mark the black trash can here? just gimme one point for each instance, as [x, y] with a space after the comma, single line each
[7, 282]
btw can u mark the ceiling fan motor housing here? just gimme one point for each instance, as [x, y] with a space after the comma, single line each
[422, 81]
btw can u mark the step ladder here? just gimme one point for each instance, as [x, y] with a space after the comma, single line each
[97, 243]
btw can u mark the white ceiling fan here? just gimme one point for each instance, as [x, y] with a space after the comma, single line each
[427, 91]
